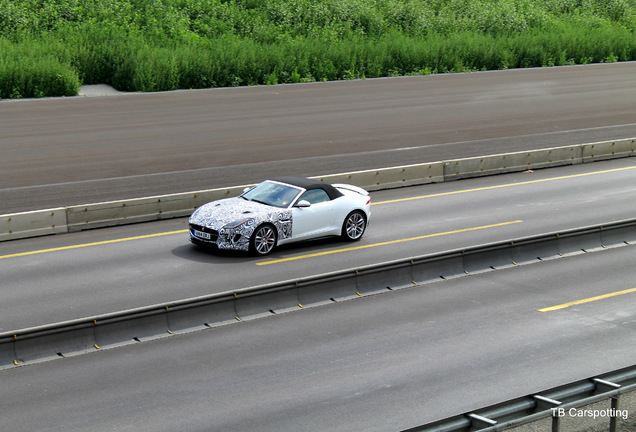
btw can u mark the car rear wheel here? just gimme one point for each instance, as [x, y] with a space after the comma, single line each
[263, 240]
[353, 226]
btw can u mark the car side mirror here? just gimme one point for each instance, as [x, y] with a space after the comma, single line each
[303, 204]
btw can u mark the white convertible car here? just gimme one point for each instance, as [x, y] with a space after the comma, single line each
[282, 210]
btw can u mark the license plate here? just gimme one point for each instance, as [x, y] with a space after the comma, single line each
[201, 234]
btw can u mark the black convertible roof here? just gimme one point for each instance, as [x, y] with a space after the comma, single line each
[308, 184]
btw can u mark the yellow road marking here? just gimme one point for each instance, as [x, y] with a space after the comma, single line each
[313, 255]
[91, 244]
[376, 203]
[587, 300]
[503, 186]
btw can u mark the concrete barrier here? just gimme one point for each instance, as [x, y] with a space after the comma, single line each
[7, 355]
[391, 277]
[32, 224]
[512, 162]
[153, 325]
[452, 267]
[52, 345]
[585, 242]
[389, 178]
[156, 321]
[98, 215]
[328, 290]
[609, 150]
[610, 238]
[266, 302]
[432, 269]
[113, 213]
[486, 260]
[528, 252]
[214, 314]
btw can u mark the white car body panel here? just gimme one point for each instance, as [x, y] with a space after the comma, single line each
[326, 218]
[229, 223]
[314, 221]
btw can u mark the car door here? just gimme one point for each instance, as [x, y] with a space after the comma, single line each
[316, 220]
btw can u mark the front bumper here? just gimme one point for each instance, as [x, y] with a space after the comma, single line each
[225, 239]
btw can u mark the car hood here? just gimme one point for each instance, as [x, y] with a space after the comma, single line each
[217, 214]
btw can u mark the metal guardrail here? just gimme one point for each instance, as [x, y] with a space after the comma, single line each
[554, 404]
[97, 215]
[82, 335]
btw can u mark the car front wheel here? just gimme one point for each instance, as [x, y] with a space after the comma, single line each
[354, 225]
[263, 240]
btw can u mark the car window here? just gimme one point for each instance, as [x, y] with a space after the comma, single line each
[315, 196]
[273, 194]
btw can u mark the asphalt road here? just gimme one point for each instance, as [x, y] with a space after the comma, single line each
[380, 363]
[58, 278]
[78, 150]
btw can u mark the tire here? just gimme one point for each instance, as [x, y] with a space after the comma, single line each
[354, 226]
[263, 240]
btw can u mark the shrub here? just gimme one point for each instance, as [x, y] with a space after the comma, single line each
[150, 45]
[27, 71]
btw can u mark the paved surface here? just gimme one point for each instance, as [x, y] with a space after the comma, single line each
[381, 363]
[588, 423]
[89, 149]
[109, 276]
[98, 90]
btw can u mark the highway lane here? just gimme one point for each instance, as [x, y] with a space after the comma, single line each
[379, 363]
[80, 150]
[69, 276]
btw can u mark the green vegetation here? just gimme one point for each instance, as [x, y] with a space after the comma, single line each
[51, 47]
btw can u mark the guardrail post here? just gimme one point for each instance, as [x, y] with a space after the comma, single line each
[606, 386]
[614, 417]
[552, 404]
[556, 421]
[480, 421]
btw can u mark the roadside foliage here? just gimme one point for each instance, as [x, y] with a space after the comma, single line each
[51, 47]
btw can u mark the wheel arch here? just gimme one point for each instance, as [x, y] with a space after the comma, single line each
[365, 216]
[253, 247]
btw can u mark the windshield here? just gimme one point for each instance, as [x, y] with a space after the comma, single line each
[273, 194]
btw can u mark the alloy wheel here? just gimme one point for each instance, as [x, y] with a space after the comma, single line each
[264, 240]
[355, 226]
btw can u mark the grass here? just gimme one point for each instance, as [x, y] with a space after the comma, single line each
[51, 47]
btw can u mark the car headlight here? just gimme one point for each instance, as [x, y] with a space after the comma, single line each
[235, 224]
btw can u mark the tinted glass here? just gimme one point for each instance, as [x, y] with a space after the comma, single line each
[274, 194]
[315, 196]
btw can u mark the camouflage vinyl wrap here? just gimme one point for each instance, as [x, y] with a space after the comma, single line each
[235, 220]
